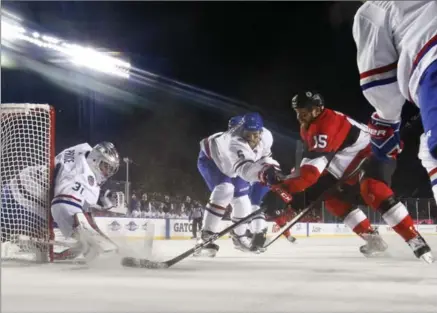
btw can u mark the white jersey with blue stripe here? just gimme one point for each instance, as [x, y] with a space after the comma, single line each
[396, 41]
[75, 184]
[234, 157]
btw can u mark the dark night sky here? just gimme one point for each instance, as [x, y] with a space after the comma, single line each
[257, 52]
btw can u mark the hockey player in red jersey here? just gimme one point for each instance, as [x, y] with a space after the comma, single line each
[282, 219]
[336, 143]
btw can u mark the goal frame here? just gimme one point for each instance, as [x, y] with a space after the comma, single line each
[35, 108]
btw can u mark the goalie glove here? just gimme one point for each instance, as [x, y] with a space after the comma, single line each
[106, 201]
[385, 138]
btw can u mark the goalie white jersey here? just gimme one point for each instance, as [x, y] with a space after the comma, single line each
[234, 157]
[75, 183]
[396, 42]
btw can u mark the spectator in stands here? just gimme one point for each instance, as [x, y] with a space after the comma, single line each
[144, 201]
[187, 205]
[133, 203]
[167, 208]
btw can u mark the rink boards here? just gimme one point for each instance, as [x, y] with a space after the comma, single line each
[136, 228]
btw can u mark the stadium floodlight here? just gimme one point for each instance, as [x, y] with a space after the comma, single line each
[79, 56]
[11, 31]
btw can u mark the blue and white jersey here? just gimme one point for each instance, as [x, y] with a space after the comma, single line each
[75, 184]
[396, 42]
[234, 157]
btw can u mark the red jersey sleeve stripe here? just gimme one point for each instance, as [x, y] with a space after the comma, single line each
[431, 43]
[379, 70]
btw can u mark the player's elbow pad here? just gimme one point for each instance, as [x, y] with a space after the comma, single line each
[308, 177]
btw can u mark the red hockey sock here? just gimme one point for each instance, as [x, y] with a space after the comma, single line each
[281, 220]
[287, 234]
[358, 222]
[406, 229]
[363, 227]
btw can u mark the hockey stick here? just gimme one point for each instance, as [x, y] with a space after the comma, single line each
[144, 263]
[408, 125]
[316, 202]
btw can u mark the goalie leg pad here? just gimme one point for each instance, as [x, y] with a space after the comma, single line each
[93, 241]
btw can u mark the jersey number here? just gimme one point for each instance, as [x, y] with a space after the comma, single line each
[320, 141]
[77, 187]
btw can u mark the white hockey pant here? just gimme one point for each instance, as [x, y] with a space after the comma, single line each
[219, 200]
[429, 163]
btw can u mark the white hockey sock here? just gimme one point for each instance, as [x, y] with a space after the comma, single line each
[220, 198]
[212, 217]
[240, 209]
[258, 223]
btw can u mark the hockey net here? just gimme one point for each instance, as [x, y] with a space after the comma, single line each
[26, 170]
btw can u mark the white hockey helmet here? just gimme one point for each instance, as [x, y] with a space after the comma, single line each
[103, 161]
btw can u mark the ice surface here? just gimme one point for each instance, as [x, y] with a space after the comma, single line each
[317, 275]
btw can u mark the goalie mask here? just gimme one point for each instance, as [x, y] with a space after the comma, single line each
[103, 161]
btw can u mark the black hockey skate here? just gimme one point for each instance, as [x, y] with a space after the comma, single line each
[375, 245]
[210, 250]
[258, 241]
[240, 242]
[421, 249]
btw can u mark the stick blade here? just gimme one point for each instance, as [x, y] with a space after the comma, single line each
[142, 263]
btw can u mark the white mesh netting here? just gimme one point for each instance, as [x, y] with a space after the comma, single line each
[26, 156]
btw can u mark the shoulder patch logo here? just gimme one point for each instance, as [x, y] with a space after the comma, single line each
[91, 180]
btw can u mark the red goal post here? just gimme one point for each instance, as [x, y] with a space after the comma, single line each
[27, 152]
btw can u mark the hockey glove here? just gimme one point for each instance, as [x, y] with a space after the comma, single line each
[270, 175]
[276, 202]
[385, 138]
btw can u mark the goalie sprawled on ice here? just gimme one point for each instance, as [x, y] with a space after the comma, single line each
[79, 173]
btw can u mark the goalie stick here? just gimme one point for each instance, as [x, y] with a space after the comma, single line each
[408, 125]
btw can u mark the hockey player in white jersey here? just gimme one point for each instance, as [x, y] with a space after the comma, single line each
[79, 173]
[243, 152]
[256, 192]
[397, 60]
